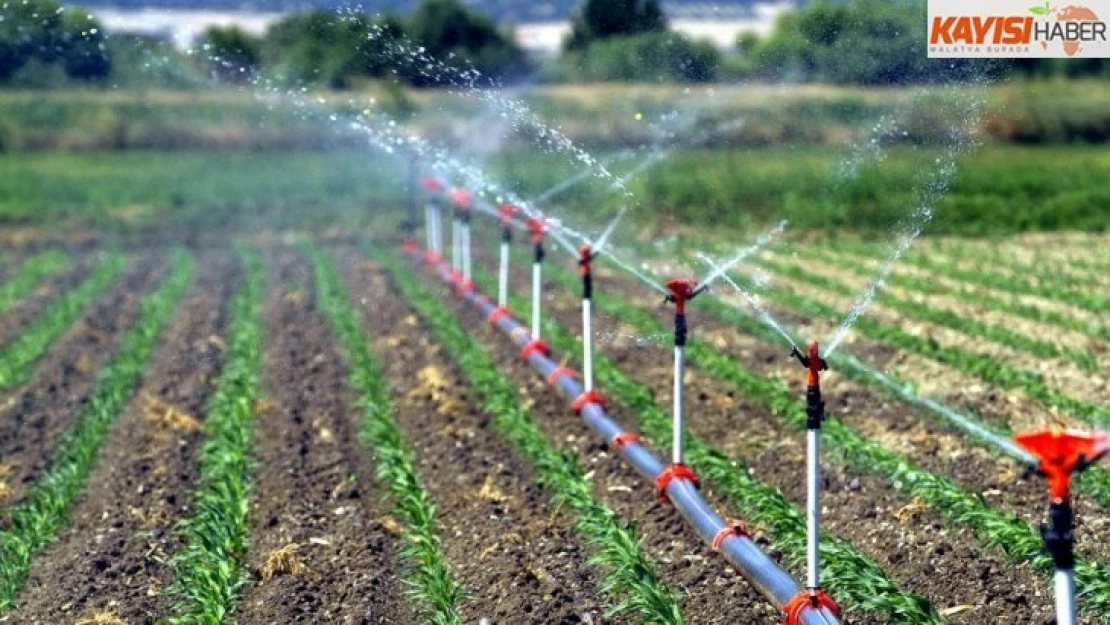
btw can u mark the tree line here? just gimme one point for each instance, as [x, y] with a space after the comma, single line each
[864, 42]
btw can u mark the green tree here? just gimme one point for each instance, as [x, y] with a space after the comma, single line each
[458, 36]
[42, 33]
[600, 19]
[231, 54]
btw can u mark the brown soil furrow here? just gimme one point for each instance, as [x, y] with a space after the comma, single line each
[321, 547]
[34, 415]
[28, 308]
[713, 591]
[908, 541]
[517, 556]
[114, 558]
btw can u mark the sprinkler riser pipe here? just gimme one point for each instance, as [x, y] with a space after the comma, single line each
[429, 234]
[813, 508]
[437, 234]
[1065, 596]
[678, 451]
[456, 258]
[503, 276]
[536, 276]
[587, 344]
[466, 251]
[743, 554]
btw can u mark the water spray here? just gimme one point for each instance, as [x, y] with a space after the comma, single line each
[507, 213]
[1062, 454]
[815, 414]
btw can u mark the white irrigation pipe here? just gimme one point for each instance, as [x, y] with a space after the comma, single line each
[738, 548]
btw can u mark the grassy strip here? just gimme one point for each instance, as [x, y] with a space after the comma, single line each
[1011, 305]
[960, 323]
[31, 525]
[209, 569]
[429, 578]
[628, 576]
[29, 275]
[1020, 541]
[18, 357]
[851, 576]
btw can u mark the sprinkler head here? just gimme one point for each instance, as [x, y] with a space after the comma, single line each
[812, 361]
[585, 255]
[1064, 453]
[461, 198]
[507, 212]
[432, 185]
[538, 227]
[681, 290]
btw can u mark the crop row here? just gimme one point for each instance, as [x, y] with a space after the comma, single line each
[852, 576]
[208, 569]
[629, 578]
[29, 275]
[1076, 271]
[32, 524]
[18, 357]
[918, 310]
[429, 577]
[1020, 541]
[1011, 305]
[1038, 282]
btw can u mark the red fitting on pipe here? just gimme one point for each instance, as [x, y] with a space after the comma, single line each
[624, 438]
[455, 277]
[808, 599]
[673, 472]
[460, 198]
[559, 372]
[497, 314]
[483, 300]
[518, 334]
[682, 290]
[734, 528]
[1062, 453]
[467, 287]
[410, 246]
[535, 346]
[588, 397]
[432, 257]
[432, 184]
[585, 257]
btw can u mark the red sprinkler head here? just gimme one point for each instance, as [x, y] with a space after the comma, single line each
[1063, 453]
[812, 361]
[461, 198]
[432, 184]
[585, 255]
[507, 212]
[682, 290]
[537, 227]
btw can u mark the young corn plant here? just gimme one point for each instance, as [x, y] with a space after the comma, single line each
[1020, 541]
[943, 317]
[628, 577]
[208, 570]
[32, 525]
[17, 358]
[853, 578]
[29, 276]
[429, 578]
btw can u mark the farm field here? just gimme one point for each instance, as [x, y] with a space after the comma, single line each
[312, 427]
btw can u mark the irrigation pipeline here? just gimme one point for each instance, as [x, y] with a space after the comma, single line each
[730, 539]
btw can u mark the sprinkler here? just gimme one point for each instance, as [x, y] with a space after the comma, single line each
[586, 255]
[461, 274]
[538, 227]
[433, 188]
[1062, 454]
[507, 213]
[815, 414]
[681, 290]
